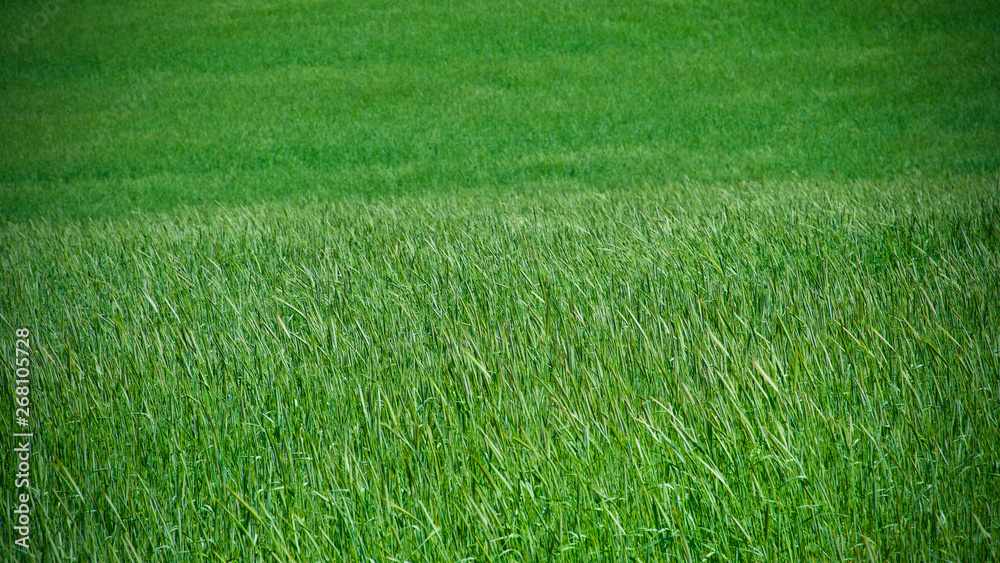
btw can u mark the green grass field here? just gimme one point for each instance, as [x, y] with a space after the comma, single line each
[590, 281]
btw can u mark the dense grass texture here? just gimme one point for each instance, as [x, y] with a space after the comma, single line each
[793, 371]
[538, 281]
[108, 107]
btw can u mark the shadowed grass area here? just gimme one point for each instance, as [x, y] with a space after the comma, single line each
[109, 107]
[791, 371]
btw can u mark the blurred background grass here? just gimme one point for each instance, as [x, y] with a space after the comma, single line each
[110, 107]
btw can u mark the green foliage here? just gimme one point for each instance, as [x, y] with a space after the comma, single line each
[112, 107]
[540, 281]
[760, 372]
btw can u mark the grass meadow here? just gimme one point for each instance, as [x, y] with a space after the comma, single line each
[461, 281]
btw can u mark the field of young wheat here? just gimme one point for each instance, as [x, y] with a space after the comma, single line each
[548, 281]
[786, 371]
